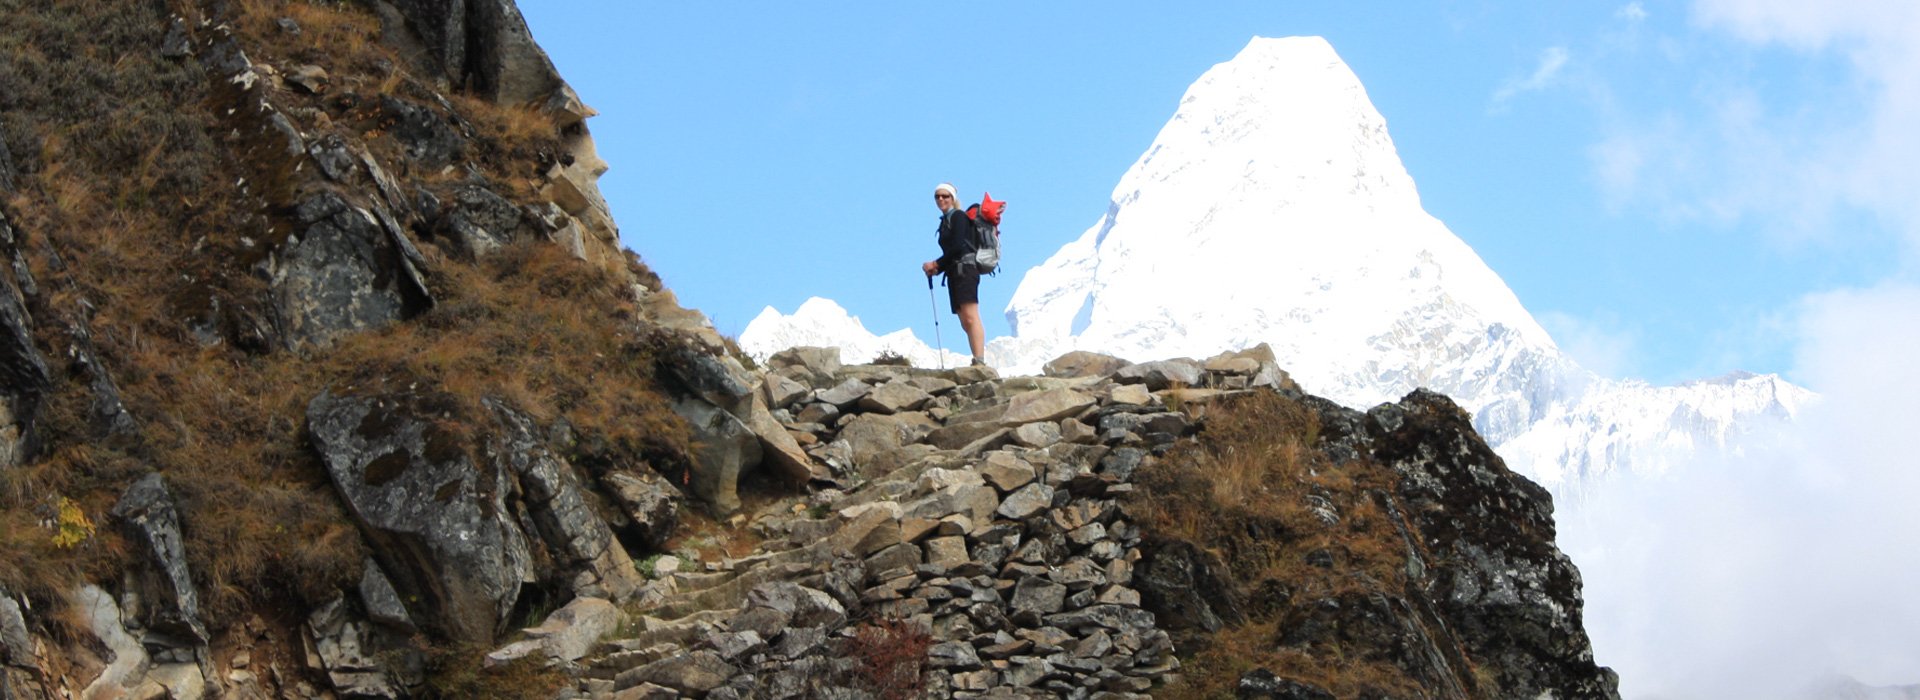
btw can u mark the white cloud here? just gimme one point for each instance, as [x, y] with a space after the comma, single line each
[1633, 12]
[1552, 60]
[1776, 148]
[1753, 576]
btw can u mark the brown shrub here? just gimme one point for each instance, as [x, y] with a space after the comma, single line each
[890, 657]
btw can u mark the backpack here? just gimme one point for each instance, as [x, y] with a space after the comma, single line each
[986, 235]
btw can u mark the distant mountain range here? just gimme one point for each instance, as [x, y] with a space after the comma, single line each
[1274, 208]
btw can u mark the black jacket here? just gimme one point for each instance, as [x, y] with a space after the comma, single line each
[956, 240]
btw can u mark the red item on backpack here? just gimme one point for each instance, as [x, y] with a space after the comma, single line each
[989, 209]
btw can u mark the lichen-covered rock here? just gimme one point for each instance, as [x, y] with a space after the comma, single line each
[1510, 595]
[576, 536]
[651, 507]
[484, 46]
[24, 379]
[482, 222]
[147, 514]
[341, 274]
[437, 520]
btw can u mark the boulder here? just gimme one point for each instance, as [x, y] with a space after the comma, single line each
[895, 397]
[1006, 472]
[695, 673]
[484, 46]
[427, 139]
[1161, 374]
[129, 657]
[1186, 588]
[822, 362]
[340, 274]
[437, 522]
[1038, 595]
[1510, 596]
[16, 646]
[146, 513]
[575, 536]
[973, 374]
[1049, 405]
[380, 600]
[717, 378]
[1131, 394]
[650, 504]
[1074, 431]
[869, 435]
[1037, 435]
[724, 448]
[779, 450]
[571, 631]
[845, 394]
[802, 606]
[782, 392]
[1082, 363]
[946, 552]
[954, 436]
[1026, 502]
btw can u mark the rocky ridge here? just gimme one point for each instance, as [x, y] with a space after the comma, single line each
[990, 526]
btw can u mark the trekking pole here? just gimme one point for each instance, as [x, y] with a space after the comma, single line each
[940, 348]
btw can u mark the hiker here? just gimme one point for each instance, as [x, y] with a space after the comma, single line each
[963, 282]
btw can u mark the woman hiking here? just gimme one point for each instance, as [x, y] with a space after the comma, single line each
[963, 282]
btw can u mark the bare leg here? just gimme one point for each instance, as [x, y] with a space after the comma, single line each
[976, 333]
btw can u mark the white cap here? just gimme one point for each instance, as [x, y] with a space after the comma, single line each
[947, 188]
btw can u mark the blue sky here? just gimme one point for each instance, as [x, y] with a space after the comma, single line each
[1675, 189]
[1660, 183]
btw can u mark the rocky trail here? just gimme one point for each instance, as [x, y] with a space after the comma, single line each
[982, 522]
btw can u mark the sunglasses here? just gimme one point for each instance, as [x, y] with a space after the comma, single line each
[943, 196]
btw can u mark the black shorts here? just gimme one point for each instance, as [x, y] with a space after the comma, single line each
[962, 289]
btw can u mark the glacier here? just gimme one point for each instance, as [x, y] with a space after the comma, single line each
[1273, 207]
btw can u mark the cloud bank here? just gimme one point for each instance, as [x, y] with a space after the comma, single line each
[1753, 575]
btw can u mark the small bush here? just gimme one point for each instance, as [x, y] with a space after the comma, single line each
[889, 357]
[890, 657]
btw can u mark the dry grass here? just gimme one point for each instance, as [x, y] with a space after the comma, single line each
[1215, 672]
[132, 228]
[460, 674]
[1247, 491]
[342, 37]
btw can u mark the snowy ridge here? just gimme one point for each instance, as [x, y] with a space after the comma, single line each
[1274, 208]
[822, 323]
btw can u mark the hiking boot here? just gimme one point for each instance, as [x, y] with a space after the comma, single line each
[977, 362]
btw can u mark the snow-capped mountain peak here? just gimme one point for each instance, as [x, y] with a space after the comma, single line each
[1273, 208]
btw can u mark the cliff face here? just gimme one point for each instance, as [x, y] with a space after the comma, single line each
[322, 374]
